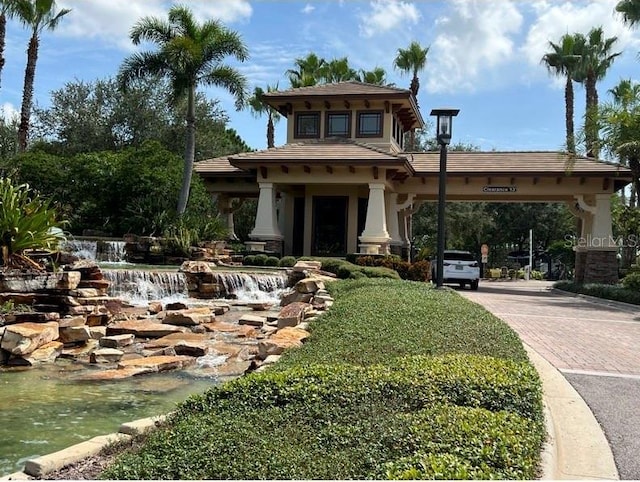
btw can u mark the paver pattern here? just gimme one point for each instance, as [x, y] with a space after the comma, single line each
[574, 334]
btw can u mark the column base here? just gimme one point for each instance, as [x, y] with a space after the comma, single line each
[581, 264]
[601, 267]
[255, 245]
[369, 248]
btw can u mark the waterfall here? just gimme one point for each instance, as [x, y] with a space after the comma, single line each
[105, 251]
[139, 287]
[253, 287]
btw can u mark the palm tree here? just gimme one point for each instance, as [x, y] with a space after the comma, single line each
[36, 15]
[337, 70]
[621, 129]
[258, 107]
[596, 57]
[308, 73]
[7, 10]
[562, 61]
[630, 10]
[412, 60]
[189, 54]
[377, 76]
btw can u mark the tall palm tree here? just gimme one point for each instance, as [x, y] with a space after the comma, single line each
[630, 10]
[337, 70]
[259, 107]
[36, 15]
[596, 56]
[412, 60]
[562, 61]
[377, 76]
[7, 10]
[189, 54]
[308, 72]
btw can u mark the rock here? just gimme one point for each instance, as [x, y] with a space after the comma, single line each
[241, 331]
[260, 306]
[31, 317]
[177, 305]
[252, 320]
[271, 359]
[195, 267]
[188, 317]
[294, 297]
[158, 363]
[85, 293]
[119, 374]
[99, 284]
[191, 348]
[226, 349]
[232, 369]
[106, 355]
[80, 310]
[175, 338]
[71, 321]
[116, 341]
[292, 314]
[309, 285]
[45, 354]
[155, 307]
[25, 338]
[97, 319]
[32, 282]
[79, 351]
[97, 332]
[306, 266]
[248, 352]
[143, 328]
[280, 341]
[74, 334]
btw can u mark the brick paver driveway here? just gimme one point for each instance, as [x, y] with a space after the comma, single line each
[596, 347]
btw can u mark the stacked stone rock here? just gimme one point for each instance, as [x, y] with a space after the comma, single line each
[94, 328]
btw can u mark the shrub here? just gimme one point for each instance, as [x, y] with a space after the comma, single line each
[632, 281]
[608, 292]
[260, 260]
[249, 260]
[287, 262]
[271, 261]
[419, 271]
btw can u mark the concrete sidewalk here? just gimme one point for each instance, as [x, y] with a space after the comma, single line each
[586, 342]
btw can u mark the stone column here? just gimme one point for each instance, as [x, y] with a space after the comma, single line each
[375, 237]
[391, 206]
[266, 226]
[601, 264]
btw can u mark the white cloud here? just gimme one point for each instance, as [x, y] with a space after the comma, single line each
[475, 37]
[308, 8]
[554, 20]
[387, 15]
[8, 112]
[111, 20]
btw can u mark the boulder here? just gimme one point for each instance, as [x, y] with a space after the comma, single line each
[307, 266]
[189, 317]
[176, 305]
[158, 363]
[106, 375]
[71, 321]
[176, 338]
[106, 355]
[143, 328]
[79, 351]
[97, 332]
[155, 307]
[280, 341]
[85, 293]
[31, 317]
[226, 349]
[294, 296]
[32, 282]
[47, 353]
[192, 348]
[97, 319]
[195, 267]
[309, 285]
[292, 314]
[241, 331]
[117, 341]
[252, 320]
[74, 334]
[25, 338]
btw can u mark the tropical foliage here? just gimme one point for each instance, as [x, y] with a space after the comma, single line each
[190, 55]
[27, 221]
[259, 107]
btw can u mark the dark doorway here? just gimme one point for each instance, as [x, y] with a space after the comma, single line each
[297, 248]
[329, 236]
[363, 203]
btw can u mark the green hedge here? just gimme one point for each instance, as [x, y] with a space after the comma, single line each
[607, 292]
[345, 270]
[396, 381]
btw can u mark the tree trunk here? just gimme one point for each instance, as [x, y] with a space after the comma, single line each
[270, 132]
[415, 86]
[591, 117]
[27, 92]
[3, 32]
[189, 151]
[568, 99]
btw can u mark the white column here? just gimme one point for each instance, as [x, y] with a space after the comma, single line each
[375, 229]
[266, 226]
[601, 233]
[391, 206]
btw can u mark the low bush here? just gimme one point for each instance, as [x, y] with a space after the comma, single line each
[632, 281]
[607, 292]
[260, 259]
[345, 270]
[287, 262]
[271, 261]
[249, 260]
[420, 271]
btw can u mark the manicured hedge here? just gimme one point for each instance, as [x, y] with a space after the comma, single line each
[396, 381]
[607, 292]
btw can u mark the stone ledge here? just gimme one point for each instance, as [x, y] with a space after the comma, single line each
[138, 427]
[57, 460]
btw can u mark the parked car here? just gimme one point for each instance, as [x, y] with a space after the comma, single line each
[459, 267]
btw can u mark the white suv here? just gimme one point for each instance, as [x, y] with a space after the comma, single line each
[459, 267]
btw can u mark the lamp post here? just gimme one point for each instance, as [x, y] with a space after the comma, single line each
[443, 135]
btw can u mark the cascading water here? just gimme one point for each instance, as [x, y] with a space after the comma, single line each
[253, 287]
[81, 248]
[139, 287]
[113, 252]
[105, 251]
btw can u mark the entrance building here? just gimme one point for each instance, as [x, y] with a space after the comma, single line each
[343, 183]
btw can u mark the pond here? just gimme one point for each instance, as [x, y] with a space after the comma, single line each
[43, 410]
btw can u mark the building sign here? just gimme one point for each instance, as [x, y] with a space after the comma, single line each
[499, 189]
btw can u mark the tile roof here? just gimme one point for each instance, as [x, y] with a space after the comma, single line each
[347, 88]
[219, 165]
[508, 163]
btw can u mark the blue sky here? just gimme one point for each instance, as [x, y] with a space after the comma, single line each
[484, 55]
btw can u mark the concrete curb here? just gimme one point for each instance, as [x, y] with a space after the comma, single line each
[46, 464]
[577, 447]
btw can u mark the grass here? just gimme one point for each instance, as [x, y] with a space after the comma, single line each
[396, 381]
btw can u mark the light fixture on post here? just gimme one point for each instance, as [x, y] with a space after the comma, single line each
[443, 135]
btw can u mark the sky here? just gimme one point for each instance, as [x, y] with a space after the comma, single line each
[484, 55]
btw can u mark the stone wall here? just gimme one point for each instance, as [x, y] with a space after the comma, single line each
[601, 267]
[581, 263]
